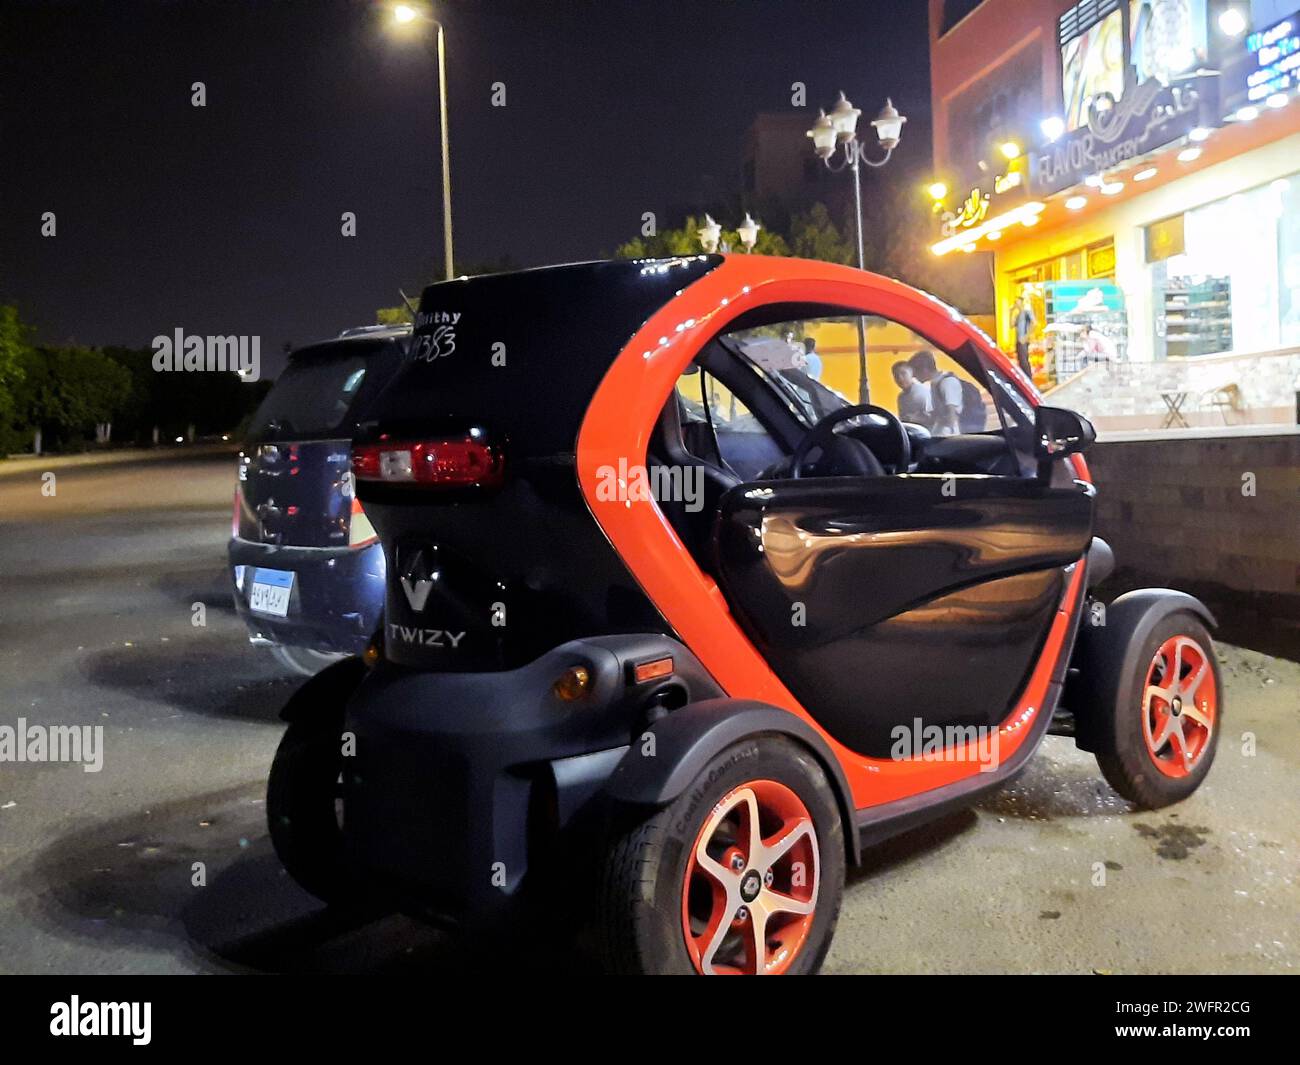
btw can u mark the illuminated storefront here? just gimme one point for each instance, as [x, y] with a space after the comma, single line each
[1154, 201]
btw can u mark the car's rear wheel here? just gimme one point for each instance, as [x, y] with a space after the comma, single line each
[304, 793]
[1168, 716]
[742, 874]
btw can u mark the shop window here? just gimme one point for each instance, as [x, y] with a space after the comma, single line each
[1226, 276]
[1076, 316]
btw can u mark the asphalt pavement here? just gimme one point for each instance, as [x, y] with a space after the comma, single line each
[160, 861]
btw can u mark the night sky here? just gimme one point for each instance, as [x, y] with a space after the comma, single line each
[226, 219]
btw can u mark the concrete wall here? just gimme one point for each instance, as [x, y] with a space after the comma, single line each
[1176, 510]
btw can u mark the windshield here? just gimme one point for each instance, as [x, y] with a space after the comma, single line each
[311, 398]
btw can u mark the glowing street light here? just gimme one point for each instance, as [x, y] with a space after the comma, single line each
[404, 15]
[839, 130]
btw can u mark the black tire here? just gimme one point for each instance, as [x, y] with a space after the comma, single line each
[1125, 759]
[639, 908]
[303, 793]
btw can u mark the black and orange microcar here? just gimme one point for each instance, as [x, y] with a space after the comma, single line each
[674, 629]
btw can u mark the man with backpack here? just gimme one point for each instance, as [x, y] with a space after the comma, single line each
[956, 405]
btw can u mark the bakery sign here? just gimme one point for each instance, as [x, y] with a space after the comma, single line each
[1147, 116]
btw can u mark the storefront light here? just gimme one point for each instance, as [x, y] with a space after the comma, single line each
[1232, 22]
[994, 235]
[1247, 114]
[1076, 203]
[1189, 155]
[966, 241]
[1112, 188]
[937, 190]
[1200, 133]
[1010, 150]
[1278, 99]
[1145, 175]
[1053, 128]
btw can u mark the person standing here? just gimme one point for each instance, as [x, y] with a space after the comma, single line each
[1022, 324]
[913, 397]
[945, 394]
[812, 361]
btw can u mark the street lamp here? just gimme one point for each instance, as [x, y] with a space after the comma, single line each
[748, 230]
[405, 15]
[839, 130]
[710, 234]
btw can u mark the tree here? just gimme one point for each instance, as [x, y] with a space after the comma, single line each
[813, 236]
[65, 392]
[394, 315]
[13, 346]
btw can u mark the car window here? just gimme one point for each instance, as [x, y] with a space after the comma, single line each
[310, 399]
[743, 442]
[817, 365]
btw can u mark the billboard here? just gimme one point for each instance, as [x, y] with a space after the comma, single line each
[1162, 40]
[1091, 64]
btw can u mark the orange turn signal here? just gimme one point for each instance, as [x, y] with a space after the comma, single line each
[573, 684]
[653, 670]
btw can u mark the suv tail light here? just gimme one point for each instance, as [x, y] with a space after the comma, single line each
[460, 462]
[360, 532]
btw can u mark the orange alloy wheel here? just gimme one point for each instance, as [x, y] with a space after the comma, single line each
[1180, 703]
[751, 882]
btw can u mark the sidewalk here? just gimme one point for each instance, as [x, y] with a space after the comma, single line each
[20, 464]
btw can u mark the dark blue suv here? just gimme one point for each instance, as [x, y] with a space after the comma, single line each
[306, 567]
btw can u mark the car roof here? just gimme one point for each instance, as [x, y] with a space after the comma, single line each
[359, 338]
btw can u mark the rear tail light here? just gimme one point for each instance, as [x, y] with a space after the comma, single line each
[461, 462]
[360, 532]
[234, 518]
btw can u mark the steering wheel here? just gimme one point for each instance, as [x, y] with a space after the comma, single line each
[822, 435]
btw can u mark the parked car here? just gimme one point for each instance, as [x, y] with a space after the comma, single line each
[306, 567]
[678, 716]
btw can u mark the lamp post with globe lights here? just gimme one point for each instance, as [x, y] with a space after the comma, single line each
[835, 137]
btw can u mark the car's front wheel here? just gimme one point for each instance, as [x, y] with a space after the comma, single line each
[742, 874]
[1167, 717]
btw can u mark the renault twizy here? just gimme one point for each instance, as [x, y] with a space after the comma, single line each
[673, 629]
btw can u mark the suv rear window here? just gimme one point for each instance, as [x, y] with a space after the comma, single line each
[314, 395]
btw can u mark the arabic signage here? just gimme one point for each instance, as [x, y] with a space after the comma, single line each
[1147, 116]
[1274, 63]
[972, 212]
